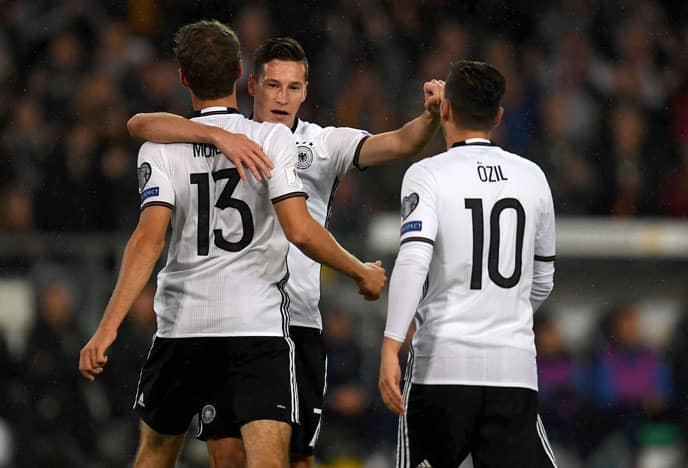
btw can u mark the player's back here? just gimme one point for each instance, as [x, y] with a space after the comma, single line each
[476, 318]
[226, 263]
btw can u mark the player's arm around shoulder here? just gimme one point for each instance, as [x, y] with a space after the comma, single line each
[163, 127]
[142, 251]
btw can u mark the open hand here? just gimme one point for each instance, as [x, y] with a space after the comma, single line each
[244, 153]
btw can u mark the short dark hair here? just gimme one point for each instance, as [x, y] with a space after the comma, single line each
[279, 48]
[208, 56]
[475, 90]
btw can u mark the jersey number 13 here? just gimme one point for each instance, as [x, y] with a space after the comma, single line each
[225, 200]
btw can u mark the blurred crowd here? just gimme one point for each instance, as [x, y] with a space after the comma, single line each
[597, 94]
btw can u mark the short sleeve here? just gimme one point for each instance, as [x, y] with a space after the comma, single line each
[155, 181]
[281, 149]
[545, 237]
[343, 145]
[418, 206]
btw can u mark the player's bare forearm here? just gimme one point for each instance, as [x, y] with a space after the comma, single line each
[407, 141]
[140, 255]
[317, 243]
[163, 127]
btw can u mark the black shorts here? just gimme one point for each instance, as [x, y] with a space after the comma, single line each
[311, 371]
[236, 379]
[311, 364]
[498, 426]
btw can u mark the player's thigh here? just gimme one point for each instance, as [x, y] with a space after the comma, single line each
[507, 435]
[440, 425]
[266, 443]
[167, 394]
[311, 366]
[227, 452]
[264, 381]
[157, 450]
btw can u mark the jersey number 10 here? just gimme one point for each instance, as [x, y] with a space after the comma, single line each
[225, 200]
[476, 207]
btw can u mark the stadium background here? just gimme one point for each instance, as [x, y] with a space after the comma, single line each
[597, 94]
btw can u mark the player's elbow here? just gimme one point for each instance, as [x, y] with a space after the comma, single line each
[541, 289]
[135, 125]
[298, 234]
[148, 242]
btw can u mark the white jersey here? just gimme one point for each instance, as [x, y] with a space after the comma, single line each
[226, 265]
[489, 214]
[325, 155]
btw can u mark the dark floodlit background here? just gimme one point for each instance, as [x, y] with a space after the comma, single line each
[597, 94]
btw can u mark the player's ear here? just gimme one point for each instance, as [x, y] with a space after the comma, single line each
[252, 84]
[305, 91]
[445, 109]
[498, 117]
[182, 78]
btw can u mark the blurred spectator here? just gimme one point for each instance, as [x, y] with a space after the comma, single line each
[67, 200]
[346, 400]
[16, 211]
[627, 165]
[119, 438]
[678, 354]
[560, 399]
[57, 429]
[629, 382]
[571, 176]
[675, 186]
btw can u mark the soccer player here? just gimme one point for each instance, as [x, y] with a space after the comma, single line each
[476, 260]
[279, 86]
[222, 346]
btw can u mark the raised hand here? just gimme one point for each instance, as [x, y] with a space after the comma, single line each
[433, 92]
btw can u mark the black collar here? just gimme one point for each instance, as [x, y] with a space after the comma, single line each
[219, 110]
[480, 142]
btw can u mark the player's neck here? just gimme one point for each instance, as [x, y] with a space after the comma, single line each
[453, 135]
[227, 101]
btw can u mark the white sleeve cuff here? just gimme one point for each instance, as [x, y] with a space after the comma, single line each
[543, 282]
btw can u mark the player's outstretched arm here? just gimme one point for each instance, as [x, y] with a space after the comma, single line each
[410, 139]
[141, 253]
[163, 127]
[316, 242]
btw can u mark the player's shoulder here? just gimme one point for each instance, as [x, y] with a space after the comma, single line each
[423, 169]
[308, 129]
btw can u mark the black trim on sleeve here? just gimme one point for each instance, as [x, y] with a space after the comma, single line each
[357, 153]
[540, 258]
[289, 195]
[417, 239]
[157, 203]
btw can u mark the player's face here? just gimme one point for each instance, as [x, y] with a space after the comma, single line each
[278, 91]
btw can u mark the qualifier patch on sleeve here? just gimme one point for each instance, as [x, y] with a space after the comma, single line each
[408, 204]
[151, 192]
[411, 226]
[144, 173]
